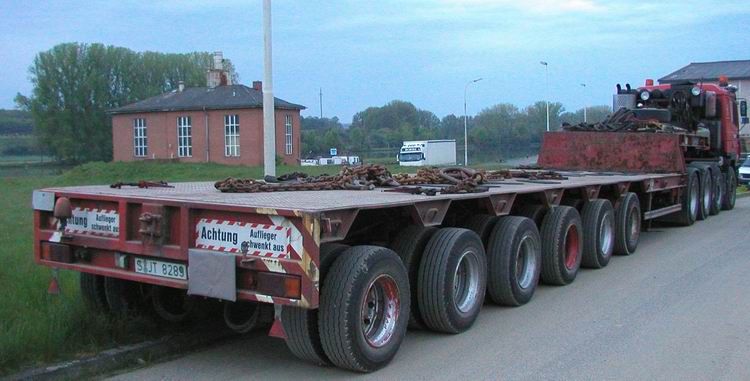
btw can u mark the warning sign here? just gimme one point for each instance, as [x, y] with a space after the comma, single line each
[94, 221]
[237, 237]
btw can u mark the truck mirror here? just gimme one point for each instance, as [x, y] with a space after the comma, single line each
[743, 108]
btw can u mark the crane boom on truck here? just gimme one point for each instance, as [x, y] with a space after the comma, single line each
[348, 262]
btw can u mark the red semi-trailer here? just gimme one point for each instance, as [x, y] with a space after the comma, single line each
[347, 271]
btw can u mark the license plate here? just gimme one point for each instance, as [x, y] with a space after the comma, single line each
[162, 269]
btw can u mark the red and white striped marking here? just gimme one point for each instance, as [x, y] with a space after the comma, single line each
[263, 240]
[94, 221]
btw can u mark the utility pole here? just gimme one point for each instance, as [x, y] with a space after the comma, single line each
[321, 103]
[269, 122]
[466, 134]
[546, 80]
[585, 120]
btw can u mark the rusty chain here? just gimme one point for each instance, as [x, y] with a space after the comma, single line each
[368, 177]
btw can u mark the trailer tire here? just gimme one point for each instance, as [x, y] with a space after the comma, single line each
[627, 224]
[409, 244]
[123, 296]
[730, 195]
[598, 218]
[92, 291]
[717, 180]
[481, 224]
[534, 211]
[450, 299]
[171, 305]
[302, 325]
[514, 257]
[690, 200]
[364, 280]
[561, 235]
[706, 193]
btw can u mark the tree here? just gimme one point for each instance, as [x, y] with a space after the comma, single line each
[594, 114]
[75, 84]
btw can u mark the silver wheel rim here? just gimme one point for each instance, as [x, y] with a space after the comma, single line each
[380, 311]
[466, 281]
[707, 195]
[606, 235]
[525, 262]
[634, 225]
[694, 199]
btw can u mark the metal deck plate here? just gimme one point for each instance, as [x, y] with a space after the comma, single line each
[320, 201]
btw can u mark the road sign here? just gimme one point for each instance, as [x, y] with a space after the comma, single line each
[333, 151]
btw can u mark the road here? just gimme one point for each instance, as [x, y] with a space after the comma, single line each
[677, 309]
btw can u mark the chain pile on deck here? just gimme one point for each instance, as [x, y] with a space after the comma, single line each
[427, 181]
[622, 120]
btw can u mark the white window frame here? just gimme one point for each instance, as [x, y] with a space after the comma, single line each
[140, 138]
[184, 136]
[288, 147]
[232, 135]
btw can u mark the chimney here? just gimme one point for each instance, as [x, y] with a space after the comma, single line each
[218, 61]
[180, 86]
[258, 85]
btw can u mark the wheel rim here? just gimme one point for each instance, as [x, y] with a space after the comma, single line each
[466, 281]
[707, 197]
[606, 235]
[380, 311]
[719, 192]
[571, 247]
[694, 199]
[634, 225]
[525, 262]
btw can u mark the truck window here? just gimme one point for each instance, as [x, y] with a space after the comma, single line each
[411, 156]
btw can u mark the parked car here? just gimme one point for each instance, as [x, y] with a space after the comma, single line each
[744, 170]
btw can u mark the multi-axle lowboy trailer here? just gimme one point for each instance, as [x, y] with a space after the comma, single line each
[346, 271]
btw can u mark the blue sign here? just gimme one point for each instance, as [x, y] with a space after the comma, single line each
[745, 120]
[334, 152]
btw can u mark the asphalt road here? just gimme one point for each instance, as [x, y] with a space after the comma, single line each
[677, 309]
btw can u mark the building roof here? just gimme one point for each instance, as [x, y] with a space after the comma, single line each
[199, 98]
[710, 71]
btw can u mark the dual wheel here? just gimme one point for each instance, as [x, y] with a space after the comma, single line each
[708, 191]
[120, 297]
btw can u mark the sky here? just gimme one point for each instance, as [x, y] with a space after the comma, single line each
[367, 53]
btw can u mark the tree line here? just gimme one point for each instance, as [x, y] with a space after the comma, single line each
[74, 84]
[497, 132]
[15, 122]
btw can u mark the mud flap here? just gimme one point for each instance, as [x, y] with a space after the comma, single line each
[212, 274]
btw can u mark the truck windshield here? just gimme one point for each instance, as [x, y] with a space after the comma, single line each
[411, 156]
[747, 162]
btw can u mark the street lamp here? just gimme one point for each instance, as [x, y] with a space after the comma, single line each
[584, 103]
[546, 79]
[466, 135]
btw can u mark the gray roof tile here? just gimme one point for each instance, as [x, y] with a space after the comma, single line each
[198, 98]
[710, 71]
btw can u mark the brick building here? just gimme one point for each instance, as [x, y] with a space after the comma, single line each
[219, 123]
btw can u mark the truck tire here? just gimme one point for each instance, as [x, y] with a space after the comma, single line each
[598, 218]
[514, 258]
[171, 305]
[534, 211]
[562, 236]
[706, 193]
[301, 325]
[452, 280]
[123, 296]
[690, 200]
[409, 244]
[730, 195]
[364, 308]
[481, 224]
[717, 180]
[92, 291]
[627, 224]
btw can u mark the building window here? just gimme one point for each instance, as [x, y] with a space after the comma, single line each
[140, 140]
[184, 136]
[231, 135]
[288, 135]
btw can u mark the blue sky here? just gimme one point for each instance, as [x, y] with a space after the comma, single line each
[366, 53]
